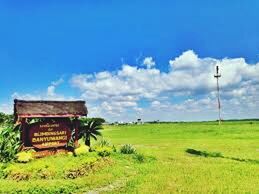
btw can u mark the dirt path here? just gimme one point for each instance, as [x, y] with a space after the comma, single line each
[113, 186]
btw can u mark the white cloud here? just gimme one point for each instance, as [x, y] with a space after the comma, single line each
[6, 108]
[57, 82]
[122, 92]
[149, 62]
[155, 103]
[187, 60]
[48, 94]
[185, 92]
[51, 89]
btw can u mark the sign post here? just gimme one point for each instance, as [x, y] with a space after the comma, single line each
[49, 134]
[53, 132]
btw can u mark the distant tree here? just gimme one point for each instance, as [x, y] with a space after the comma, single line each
[89, 128]
[2, 117]
[6, 119]
[99, 119]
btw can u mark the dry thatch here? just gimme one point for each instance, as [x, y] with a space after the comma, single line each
[37, 109]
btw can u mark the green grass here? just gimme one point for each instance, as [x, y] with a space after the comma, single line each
[178, 171]
[176, 157]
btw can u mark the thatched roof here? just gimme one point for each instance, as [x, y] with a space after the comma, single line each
[38, 109]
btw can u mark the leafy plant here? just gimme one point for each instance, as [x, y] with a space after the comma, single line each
[104, 151]
[86, 167]
[24, 156]
[82, 149]
[127, 149]
[6, 120]
[88, 129]
[139, 157]
[104, 142]
[9, 143]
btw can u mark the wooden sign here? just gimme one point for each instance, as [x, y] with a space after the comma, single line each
[49, 134]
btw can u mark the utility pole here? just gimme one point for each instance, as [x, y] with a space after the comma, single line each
[217, 76]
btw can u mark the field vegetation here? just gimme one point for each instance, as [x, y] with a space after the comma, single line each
[197, 157]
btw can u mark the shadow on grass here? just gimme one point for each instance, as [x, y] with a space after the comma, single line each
[218, 155]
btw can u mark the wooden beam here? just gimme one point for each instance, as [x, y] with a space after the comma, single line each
[49, 115]
[23, 132]
[76, 123]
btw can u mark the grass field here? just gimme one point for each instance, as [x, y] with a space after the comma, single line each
[221, 159]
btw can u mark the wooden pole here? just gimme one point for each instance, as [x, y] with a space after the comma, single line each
[23, 133]
[76, 127]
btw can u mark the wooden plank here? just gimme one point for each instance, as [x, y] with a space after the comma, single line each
[23, 132]
[48, 115]
[76, 123]
[49, 108]
[45, 153]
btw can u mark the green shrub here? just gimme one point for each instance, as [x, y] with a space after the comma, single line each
[77, 172]
[2, 169]
[83, 149]
[103, 151]
[6, 119]
[81, 170]
[114, 149]
[24, 156]
[204, 153]
[46, 173]
[9, 143]
[103, 143]
[16, 173]
[139, 157]
[70, 154]
[52, 167]
[127, 149]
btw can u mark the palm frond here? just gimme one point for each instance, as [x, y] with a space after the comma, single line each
[90, 128]
[97, 133]
[92, 135]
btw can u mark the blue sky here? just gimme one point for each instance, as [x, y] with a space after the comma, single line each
[49, 41]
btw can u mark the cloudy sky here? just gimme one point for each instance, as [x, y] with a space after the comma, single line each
[146, 59]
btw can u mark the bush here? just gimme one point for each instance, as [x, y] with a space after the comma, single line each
[139, 157]
[24, 156]
[46, 173]
[83, 149]
[103, 143]
[70, 154]
[204, 153]
[103, 151]
[114, 149]
[9, 143]
[127, 149]
[2, 169]
[6, 119]
[16, 173]
[51, 167]
[81, 170]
